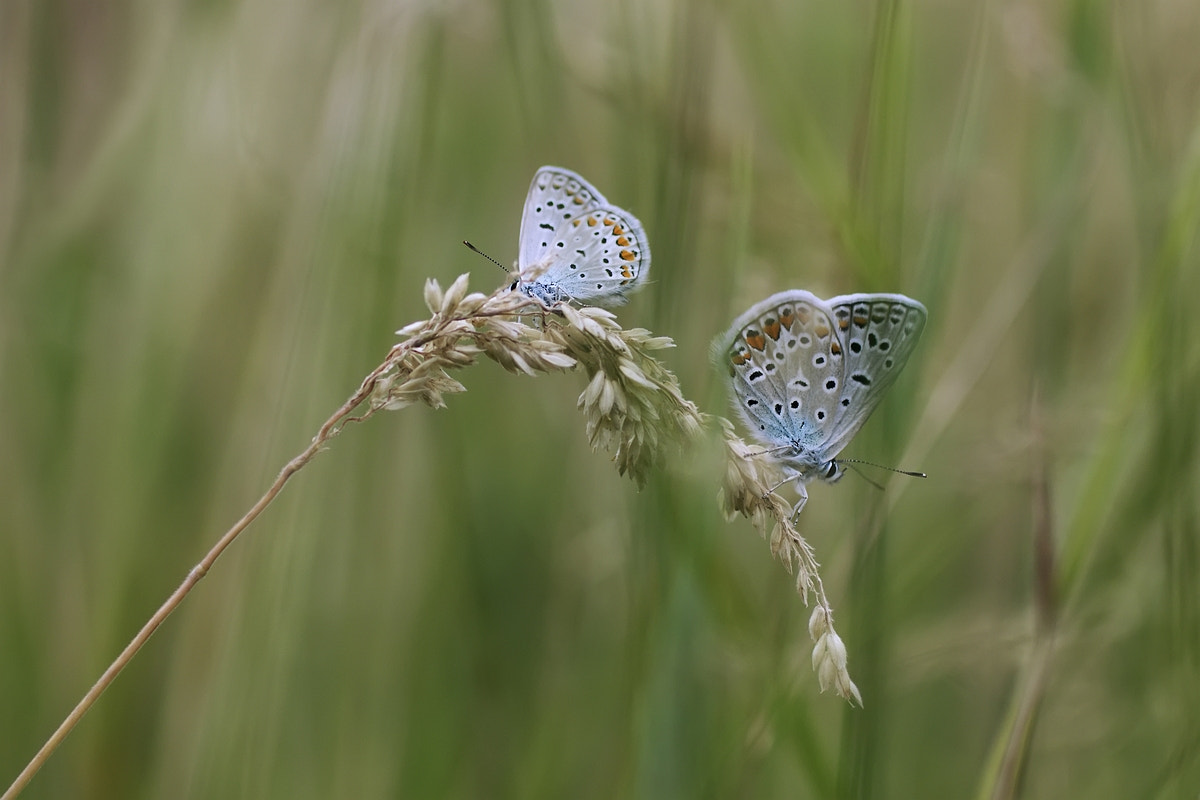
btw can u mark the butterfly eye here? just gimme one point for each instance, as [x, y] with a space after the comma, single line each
[833, 472]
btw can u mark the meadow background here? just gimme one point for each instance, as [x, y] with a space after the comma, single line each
[213, 216]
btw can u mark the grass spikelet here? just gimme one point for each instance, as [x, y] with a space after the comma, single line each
[747, 491]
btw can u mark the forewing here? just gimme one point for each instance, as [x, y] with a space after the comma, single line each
[878, 333]
[555, 196]
[784, 361]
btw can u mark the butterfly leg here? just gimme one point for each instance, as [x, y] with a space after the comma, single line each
[803, 492]
[537, 319]
[771, 491]
[767, 494]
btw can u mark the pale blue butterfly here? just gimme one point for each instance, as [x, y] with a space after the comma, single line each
[805, 373]
[575, 246]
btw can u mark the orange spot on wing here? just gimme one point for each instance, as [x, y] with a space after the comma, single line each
[860, 320]
[618, 230]
[787, 318]
[772, 328]
[756, 340]
[592, 222]
[622, 241]
[835, 348]
[626, 271]
[821, 330]
[628, 255]
[843, 323]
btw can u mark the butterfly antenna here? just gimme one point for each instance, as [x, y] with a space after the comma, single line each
[475, 249]
[881, 466]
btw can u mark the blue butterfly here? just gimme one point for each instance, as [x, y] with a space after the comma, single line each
[806, 373]
[575, 246]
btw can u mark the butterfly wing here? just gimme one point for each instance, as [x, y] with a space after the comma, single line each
[598, 257]
[784, 359]
[555, 196]
[877, 334]
[575, 245]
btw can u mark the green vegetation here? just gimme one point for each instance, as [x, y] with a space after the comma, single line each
[214, 215]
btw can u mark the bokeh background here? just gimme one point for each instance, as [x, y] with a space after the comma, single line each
[213, 216]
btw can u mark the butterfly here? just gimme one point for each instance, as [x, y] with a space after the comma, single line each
[805, 373]
[576, 246]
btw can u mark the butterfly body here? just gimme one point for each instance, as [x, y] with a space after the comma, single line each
[575, 245]
[806, 373]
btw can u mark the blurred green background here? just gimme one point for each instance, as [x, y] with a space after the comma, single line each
[213, 215]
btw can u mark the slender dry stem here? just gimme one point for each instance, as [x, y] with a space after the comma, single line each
[327, 431]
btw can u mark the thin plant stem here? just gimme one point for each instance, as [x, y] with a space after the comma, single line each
[331, 428]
